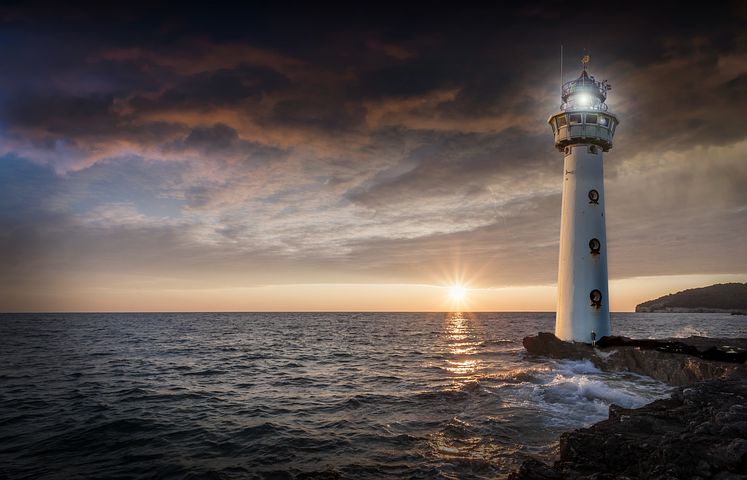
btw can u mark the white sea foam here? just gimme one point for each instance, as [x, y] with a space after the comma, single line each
[604, 355]
[585, 388]
[689, 331]
[575, 367]
[578, 392]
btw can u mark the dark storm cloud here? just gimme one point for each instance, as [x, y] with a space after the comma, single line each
[361, 141]
[211, 89]
[327, 114]
[490, 57]
[68, 115]
[697, 99]
[444, 162]
[218, 137]
[220, 142]
[412, 78]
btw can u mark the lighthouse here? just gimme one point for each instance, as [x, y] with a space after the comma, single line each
[583, 131]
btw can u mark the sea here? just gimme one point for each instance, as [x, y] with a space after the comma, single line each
[301, 395]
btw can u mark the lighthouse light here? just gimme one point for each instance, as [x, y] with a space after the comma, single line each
[583, 99]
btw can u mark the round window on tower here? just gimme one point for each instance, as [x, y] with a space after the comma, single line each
[593, 149]
[596, 298]
[593, 197]
[567, 150]
[595, 245]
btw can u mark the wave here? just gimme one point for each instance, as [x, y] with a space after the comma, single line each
[102, 437]
[499, 341]
[207, 372]
[580, 391]
[455, 393]
[576, 367]
[361, 400]
[521, 375]
[260, 430]
[290, 396]
[689, 331]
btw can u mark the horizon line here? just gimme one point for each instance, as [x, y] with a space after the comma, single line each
[292, 311]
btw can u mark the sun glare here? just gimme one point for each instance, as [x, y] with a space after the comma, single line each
[457, 293]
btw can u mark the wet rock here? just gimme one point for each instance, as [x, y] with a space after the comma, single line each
[548, 345]
[667, 439]
[535, 470]
[733, 350]
[674, 361]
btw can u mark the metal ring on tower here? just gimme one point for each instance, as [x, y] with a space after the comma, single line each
[596, 298]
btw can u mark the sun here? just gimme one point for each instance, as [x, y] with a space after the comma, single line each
[457, 293]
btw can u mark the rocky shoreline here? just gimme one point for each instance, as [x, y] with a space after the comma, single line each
[680, 361]
[698, 433]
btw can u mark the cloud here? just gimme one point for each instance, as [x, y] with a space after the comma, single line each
[196, 56]
[311, 149]
[682, 102]
[438, 164]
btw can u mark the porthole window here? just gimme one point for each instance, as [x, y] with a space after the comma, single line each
[596, 298]
[595, 245]
[593, 149]
[567, 150]
[593, 197]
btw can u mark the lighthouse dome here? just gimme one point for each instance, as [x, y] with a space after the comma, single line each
[584, 93]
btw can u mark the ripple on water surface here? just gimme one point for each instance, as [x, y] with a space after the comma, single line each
[298, 395]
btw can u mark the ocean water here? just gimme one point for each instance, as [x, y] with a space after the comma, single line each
[300, 395]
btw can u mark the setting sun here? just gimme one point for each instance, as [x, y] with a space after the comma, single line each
[457, 293]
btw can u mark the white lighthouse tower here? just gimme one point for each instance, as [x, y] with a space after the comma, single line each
[583, 130]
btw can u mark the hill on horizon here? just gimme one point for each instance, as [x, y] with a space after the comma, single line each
[722, 297]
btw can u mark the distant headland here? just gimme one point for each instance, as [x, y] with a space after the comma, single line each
[719, 298]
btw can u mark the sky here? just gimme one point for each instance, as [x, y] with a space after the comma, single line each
[293, 157]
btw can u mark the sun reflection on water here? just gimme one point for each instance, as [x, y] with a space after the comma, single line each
[461, 344]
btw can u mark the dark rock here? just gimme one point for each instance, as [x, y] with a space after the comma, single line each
[721, 350]
[700, 432]
[674, 361]
[672, 438]
[548, 345]
[535, 470]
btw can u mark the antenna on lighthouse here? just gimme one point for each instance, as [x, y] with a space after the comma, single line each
[561, 70]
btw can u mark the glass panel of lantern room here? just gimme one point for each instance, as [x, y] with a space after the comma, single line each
[604, 121]
[562, 122]
[575, 118]
[591, 118]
